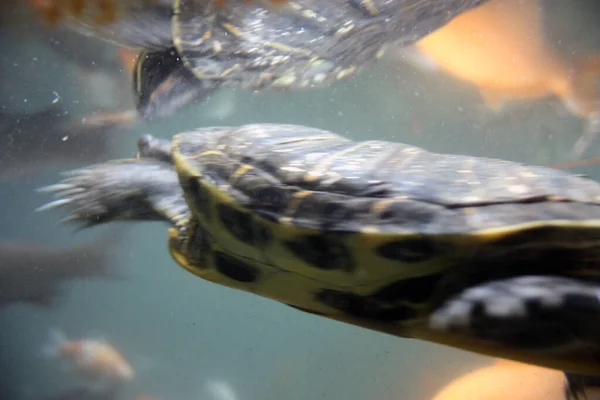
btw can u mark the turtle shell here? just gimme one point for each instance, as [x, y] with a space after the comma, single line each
[371, 229]
[300, 44]
[481, 254]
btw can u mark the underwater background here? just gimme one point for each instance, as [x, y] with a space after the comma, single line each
[191, 339]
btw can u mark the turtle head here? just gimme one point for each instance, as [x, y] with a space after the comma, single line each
[162, 85]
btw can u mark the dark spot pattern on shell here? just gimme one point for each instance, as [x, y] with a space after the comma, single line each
[408, 213]
[415, 290]
[336, 214]
[200, 196]
[265, 165]
[236, 269]
[322, 252]
[410, 250]
[236, 222]
[323, 211]
[267, 215]
[263, 235]
[259, 190]
[547, 234]
[365, 306]
[397, 301]
[216, 167]
[223, 172]
[271, 198]
[199, 247]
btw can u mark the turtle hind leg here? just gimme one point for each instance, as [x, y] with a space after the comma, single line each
[531, 313]
[132, 189]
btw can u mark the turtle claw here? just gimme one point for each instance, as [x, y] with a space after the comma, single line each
[61, 190]
[53, 204]
[70, 192]
[129, 189]
[77, 193]
[54, 188]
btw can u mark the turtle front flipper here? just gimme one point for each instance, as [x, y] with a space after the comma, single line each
[536, 315]
[131, 189]
[163, 85]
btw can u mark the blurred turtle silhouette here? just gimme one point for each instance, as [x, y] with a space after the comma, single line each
[32, 273]
[46, 139]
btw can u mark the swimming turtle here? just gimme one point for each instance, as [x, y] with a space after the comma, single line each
[192, 47]
[481, 254]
